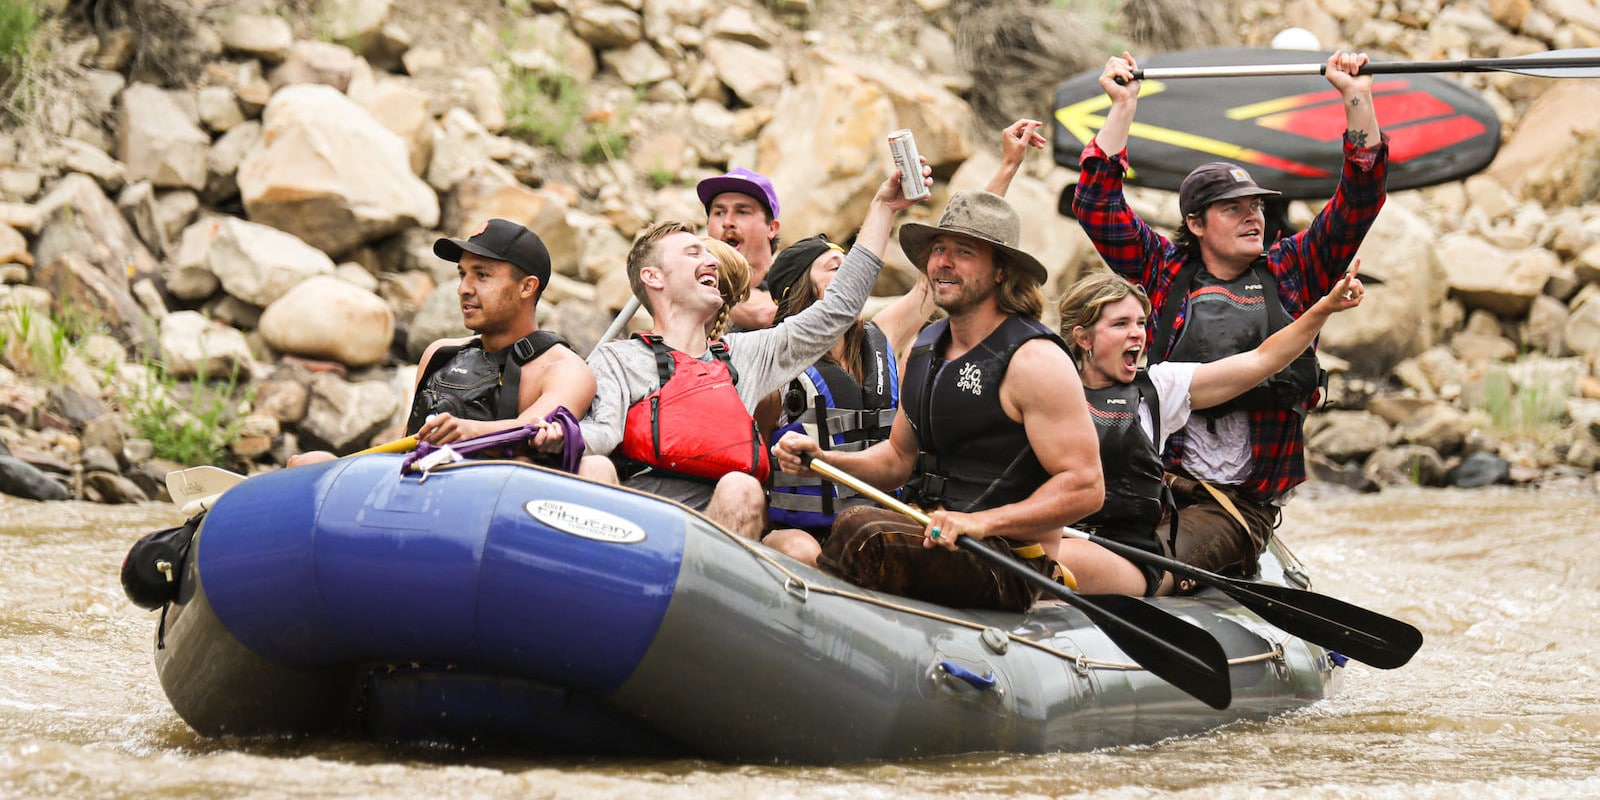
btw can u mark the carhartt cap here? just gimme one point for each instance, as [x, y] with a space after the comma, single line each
[1215, 181]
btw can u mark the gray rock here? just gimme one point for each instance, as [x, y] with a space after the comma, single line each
[99, 459]
[18, 478]
[1406, 465]
[1349, 435]
[342, 415]
[111, 488]
[1478, 470]
[1332, 472]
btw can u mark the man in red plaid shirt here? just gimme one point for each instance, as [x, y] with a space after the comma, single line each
[1233, 470]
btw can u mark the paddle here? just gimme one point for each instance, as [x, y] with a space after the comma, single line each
[1576, 63]
[1178, 652]
[1359, 633]
[197, 488]
[628, 310]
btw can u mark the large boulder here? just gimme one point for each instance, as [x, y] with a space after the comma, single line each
[192, 345]
[329, 318]
[329, 173]
[1399, 317]
[342, 415]
[1499, 281]
[494, 193]
[158, 141]
[253, 262]
[438, 318]
[77, 217]
[1554, 156]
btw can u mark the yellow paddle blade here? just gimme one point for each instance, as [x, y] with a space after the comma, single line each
[405, 445]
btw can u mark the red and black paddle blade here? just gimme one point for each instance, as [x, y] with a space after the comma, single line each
[1284, 129]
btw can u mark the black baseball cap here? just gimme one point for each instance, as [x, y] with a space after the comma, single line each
[502, 240]
[1215, 181]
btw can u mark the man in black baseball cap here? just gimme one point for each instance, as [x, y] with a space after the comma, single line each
[511, 373]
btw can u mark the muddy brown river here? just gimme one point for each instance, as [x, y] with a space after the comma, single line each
[1502, 701]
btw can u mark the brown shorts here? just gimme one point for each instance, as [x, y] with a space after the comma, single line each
[881, 549]
[1210, 536]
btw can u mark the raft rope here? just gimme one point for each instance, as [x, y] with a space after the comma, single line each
[797, 586]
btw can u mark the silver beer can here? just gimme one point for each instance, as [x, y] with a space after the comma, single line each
[904, 150]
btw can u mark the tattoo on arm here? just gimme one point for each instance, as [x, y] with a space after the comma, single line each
[1356, 138]
[1355, 102]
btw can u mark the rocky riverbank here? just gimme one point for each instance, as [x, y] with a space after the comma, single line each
[216, 215]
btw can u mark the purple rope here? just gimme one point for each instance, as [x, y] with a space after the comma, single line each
[508, 439]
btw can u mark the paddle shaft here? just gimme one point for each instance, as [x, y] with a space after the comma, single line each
[1362, 634]
[628, 310]
[1555, 64]
[1179, 653]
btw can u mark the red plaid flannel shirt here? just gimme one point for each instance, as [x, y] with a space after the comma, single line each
[1306, 265]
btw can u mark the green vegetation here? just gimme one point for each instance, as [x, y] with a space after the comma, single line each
[189, 423]
[546, 106]
[660, 177]
[39, 344]
[1530, 404]
[543, 109]
[19, 43]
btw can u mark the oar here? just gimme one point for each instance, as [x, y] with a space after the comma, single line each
[1359, 633]
[197, 488]
[628, 310]
[1581, 62]
[1178, 652]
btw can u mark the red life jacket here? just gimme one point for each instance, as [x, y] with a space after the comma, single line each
[694, 424]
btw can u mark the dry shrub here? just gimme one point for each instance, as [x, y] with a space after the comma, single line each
[163, 35]
[1017, 55]
[1162, 25]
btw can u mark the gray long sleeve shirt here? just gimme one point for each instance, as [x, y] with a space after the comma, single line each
[766, 360]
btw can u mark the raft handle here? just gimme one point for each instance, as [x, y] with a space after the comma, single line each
[982, 683]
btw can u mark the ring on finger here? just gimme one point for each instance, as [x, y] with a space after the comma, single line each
[934, 533]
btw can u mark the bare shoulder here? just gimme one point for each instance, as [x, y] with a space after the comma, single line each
[1042, 359]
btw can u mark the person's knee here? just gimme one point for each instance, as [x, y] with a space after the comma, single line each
[794, 543]
[740, 489]
[598, 468]
[310, 457]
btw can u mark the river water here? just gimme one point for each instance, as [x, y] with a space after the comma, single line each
[1503, 700]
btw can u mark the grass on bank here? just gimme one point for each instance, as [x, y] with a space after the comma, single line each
[191, 422]
[1527, 400]
[20, 24]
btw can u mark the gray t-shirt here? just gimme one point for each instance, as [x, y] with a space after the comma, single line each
[766, 360]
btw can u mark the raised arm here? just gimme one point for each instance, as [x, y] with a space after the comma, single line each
[1113, 136]
[1217, 382]
[1014, 143]
[1360, 118]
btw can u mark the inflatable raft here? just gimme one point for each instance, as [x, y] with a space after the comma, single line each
[505, 605]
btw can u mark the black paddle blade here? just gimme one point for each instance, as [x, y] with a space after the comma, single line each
[1184, 655]
[1360, 633]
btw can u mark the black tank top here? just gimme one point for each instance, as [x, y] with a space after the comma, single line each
[971, 456]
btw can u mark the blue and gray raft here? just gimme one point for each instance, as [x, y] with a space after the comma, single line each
[510, 606]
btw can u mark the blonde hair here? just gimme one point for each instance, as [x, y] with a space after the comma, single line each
[733, 281]
[644, 254]
[1085, 303]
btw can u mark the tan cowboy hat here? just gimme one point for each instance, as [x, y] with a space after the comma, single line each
[980, 215]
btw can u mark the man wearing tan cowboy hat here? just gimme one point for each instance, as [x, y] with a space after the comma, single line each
[993, 434]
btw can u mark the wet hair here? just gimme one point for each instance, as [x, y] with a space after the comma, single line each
[1085, 303]
[733, 281]
[1019, 292]
[644, 253]
[801, 297]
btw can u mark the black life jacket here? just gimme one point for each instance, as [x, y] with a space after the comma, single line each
[693, 425]
[971, 456]
[1134, 478]
[1206, 338]
[469, 382]
[841, 413]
